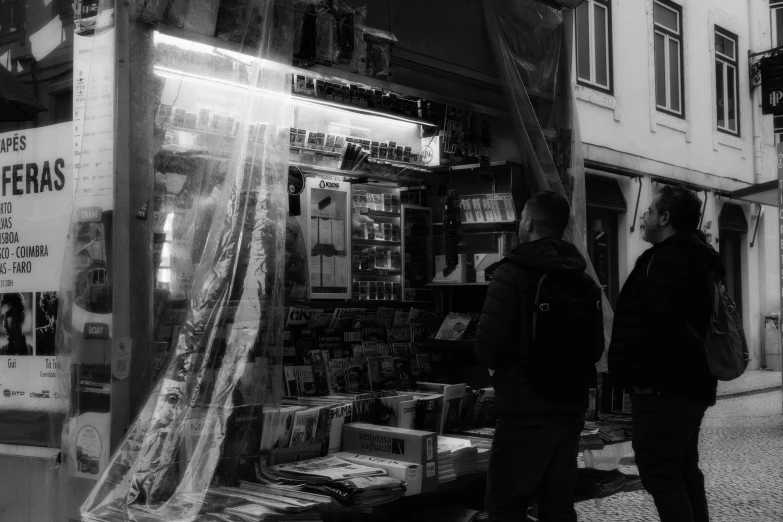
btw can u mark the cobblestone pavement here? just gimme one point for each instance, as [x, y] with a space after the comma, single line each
[752, 380]
[742, 458]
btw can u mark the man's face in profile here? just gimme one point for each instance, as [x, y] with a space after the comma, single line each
[12, 322]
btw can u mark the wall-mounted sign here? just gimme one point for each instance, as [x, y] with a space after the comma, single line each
[772, 85]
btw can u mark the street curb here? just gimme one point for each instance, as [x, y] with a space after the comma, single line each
[749, 392]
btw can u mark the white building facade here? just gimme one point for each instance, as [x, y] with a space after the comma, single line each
[664, 95]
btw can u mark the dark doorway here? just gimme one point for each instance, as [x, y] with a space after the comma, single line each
[602, 249]
[731, 253]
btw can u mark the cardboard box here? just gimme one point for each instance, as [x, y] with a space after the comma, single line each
[416, 447]
[411, 474]
[459, 275]
[481, 262]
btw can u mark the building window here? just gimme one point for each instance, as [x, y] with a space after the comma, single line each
[778, 129]
[726, 81]
[10, 17]
[776, 21]
[593, 44]
[667, 19]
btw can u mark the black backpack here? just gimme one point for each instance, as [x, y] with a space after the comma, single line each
[724, 341]
[565, 335]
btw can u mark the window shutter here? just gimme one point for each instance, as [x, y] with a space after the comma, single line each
[732, 217]
[604, 192]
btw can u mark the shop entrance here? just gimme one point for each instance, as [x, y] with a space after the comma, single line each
[602, 248]
[731, 254]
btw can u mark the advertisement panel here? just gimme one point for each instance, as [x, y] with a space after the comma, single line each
[36, 201]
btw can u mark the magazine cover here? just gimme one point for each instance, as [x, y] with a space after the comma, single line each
[401, 319]
[305, 425]
[366, 318]
[381, 371]
[305, 380]
[402, 372]
[400, 349]
[419, 316]
[453, 395]
[454, 326]
[277, 427]
[406, 414]
[386, 410]
[429, 409]
[385, 317]
[374, 333]
[363, 410]
[358, 376]
[399, 335]
[369, 349]
[344, 318]
[336, 375]
[337, 416]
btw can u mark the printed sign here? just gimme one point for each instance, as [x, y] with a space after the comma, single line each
[36, 199]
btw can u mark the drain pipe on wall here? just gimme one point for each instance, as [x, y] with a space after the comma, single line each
[755, 34]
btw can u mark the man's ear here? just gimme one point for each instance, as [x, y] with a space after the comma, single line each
[665, 218]
[528, 223]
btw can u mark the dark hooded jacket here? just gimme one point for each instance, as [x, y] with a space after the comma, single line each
[651, 346]
[500, 339]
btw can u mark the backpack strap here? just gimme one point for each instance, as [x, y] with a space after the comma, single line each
[538, 307]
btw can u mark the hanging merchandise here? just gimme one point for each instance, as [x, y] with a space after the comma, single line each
[325, 34]
[351, 47]
[379, 44]
[451, 233]
[526, 41]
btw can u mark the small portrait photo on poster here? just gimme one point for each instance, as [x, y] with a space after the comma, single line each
[16, 311]
[45, 322]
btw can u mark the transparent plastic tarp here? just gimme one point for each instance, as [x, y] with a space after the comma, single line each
[219, 136]
[527, 40]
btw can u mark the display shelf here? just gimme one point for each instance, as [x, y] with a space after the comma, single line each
[486, 283]
[375, 272]
[479, 224]
[383, 173]
[359, 109]
[401, 164]
[354, 303]
[381, 214]
[315, 151]
[376, 243]
[467, 166]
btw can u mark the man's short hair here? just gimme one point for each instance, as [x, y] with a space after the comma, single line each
[550, 211]
[14, 301]
[683, 205]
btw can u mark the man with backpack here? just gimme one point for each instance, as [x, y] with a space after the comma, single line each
[540, 334]
[662, 318]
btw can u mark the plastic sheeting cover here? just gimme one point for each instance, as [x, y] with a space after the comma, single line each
[226, 234]
[526, 39]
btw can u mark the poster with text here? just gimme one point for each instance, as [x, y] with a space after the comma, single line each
[36, 201]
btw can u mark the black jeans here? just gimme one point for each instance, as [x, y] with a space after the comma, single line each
[666, 442]
[534, 457]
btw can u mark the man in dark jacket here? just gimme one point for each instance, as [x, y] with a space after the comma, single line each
[534, 451]
[653, 353]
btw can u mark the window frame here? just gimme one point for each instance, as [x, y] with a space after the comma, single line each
[728, 62]
[20, 31]
[777, 128]
[669, 35]
[592, 84]
[774, 5]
